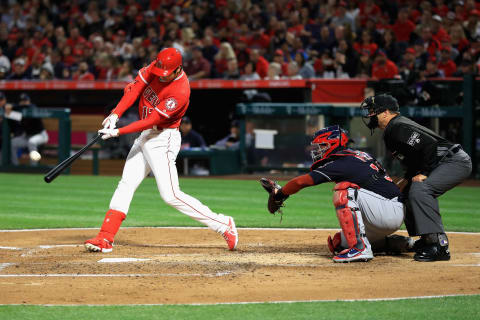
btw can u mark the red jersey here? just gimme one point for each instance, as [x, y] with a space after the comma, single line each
[388, 71]
[162, 104]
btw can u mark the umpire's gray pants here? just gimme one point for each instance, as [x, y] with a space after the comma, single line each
[422, 210]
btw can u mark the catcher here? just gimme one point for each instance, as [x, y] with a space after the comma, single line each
[367, 202]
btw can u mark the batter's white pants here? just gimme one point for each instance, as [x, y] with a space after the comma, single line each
[380, 216]
[23, 141]
[155, 151]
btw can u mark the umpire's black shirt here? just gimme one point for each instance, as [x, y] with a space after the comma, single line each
[418, 148]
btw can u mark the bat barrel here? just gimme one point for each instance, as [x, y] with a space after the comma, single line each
[52, 174]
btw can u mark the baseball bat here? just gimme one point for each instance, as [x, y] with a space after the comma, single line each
[52, 174]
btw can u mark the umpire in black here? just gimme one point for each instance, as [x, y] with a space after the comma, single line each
[433, 164]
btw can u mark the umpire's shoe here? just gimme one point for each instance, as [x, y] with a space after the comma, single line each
[436, 251]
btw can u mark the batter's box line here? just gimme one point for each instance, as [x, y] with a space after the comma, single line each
[206, 228]
[108, 275]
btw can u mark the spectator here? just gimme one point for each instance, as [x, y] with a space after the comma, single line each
[293, 71]
[3, 73]
[325, 42]
[29, 132]
[466, 67]
[342, 17]
[46, 72]
[409, 66]
[125, 73]
[431, 69]
[391, 46]
[249, 73]
[472, 27]
[261, 64]
[459, 40]
[438, 32]
[274, 71]
[383, 68]
[366, 44]
[403, 27]
[232, 72]
[306, 70]
[4, 60]
[364, 67]
[36, 65]
[224, 55]
[198, 67]
[432, 45]
[346, 59]
[82, 73]
[232, 140]
[190, 138]
[20, 70]
[446, 64]
[279, 58]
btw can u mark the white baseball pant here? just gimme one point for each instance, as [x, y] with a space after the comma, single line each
[156, 151]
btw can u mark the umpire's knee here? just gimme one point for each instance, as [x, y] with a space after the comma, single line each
[418, 192]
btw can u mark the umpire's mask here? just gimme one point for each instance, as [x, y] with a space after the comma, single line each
[372, 106]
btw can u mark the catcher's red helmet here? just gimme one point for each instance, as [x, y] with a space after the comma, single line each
[168, 60]
[326, 141]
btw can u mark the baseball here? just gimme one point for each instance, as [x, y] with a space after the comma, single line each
[35, 156]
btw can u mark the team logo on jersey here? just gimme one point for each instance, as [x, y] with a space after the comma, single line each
[414, 138]
[170, 104]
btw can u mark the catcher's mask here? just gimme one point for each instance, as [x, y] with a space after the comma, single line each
[373, 106]
[168, 61]
[326, 141]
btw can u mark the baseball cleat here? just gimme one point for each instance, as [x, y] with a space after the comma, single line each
[353, 254]
[433, 252]
[231, 235]
[99, 245]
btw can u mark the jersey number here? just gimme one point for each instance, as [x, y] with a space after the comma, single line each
[146, 111]
[374, 167]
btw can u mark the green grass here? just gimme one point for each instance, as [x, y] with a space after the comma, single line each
[467, 307]
[81, 201]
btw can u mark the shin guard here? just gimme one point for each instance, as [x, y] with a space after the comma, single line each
[349, 217]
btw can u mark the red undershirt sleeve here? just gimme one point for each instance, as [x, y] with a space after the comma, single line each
[140, 125]
[298, 183]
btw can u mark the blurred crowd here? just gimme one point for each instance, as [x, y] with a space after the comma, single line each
[240, 39]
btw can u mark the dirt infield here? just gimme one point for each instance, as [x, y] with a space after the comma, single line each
[194, 266]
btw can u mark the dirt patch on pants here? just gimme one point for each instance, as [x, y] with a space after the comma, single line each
[169, 265]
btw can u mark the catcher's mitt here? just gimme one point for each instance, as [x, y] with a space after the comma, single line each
[276, 197]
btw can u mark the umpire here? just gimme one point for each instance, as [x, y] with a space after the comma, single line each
[433, 164]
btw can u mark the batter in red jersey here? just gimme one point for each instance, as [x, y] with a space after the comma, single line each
[164, 93]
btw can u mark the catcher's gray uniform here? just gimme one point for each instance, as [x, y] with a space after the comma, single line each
[381, 217]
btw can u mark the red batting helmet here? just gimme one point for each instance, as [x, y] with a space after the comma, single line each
[326, 141]
[168, 60]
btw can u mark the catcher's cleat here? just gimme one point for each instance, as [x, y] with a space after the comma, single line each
[334, 244]
[231, 235]
[99, 245]
[353, 254]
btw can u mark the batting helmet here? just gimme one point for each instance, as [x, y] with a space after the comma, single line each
[168, 60]
[326, 141]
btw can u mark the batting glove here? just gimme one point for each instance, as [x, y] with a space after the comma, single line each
[108, 133]
[110, 122]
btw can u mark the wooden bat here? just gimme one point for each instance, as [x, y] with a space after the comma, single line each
[52, 174]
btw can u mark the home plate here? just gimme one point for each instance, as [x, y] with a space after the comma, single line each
[117, 260]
